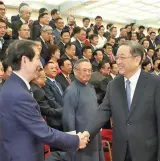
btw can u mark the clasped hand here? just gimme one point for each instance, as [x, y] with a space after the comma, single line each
[83, 139]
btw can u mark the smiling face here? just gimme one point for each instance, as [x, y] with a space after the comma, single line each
[127, 64]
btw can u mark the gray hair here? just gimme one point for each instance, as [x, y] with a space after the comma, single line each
[80, 61]
[21, 10]
[135, 49]
[46, 28]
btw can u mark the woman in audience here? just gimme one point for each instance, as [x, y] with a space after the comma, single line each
[1, 75]
[7, 70]
[146, 65]
[55, 56]
[102, 39]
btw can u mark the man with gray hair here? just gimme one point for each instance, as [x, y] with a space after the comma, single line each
[25, 14]
[132, 99]
[46, 39]
[80, 104]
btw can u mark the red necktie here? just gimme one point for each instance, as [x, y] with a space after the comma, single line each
[68, 80]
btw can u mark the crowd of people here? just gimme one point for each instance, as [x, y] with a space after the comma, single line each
[54, 76]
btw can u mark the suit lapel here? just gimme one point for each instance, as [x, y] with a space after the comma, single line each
[139, 90]
[122, 93]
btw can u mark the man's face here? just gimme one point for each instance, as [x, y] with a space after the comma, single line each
[51, 70]
[82, 35]
[47, 34]
[1, 71]
[106, 70]
[71, 51]
[71, 21]
[2, 29]
[114, 69]
[95, 41]
[153, 36]
[60, 24]
[155, 65]
[24, 32]
[26, 14]
[33, 67]
[150, 53]
[98, 21]
[88, 53]
[123, 32]
[65, 37]
[108, 49]
[146, 44]
[41, 80]
[114, 32]
[45, 20]
[2, 11]
[99, 56]
[83, 72]
[127, 64]
[67, 67]
[86, 23]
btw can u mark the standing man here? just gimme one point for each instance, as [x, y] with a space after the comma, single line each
[80, 104]
[133, 101]
[23, 130]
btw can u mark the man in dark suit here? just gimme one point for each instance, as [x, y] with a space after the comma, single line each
[25, 14]
[46, 41]
[23, 130]
[152, 43]
[53, 88]
[49, 107]
[132, 99]
[65, 38]
[43, 19]
[57, 31]
[79, 42]
[65, 77]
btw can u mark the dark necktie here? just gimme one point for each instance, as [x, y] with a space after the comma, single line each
[57, 87]
[31, 92]
[128, 93]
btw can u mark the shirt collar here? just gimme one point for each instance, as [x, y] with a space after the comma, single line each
[26, 82]
[134, 78]
[51, 79]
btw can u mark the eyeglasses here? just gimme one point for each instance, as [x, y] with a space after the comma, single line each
[85, 70]
[122, 57]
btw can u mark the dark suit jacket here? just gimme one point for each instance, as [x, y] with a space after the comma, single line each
[52, 24]
[52, 92]
[138, 128]
[49, 108]
[62, 48]
[45, 52]
[15, 18]
[23, 130]
[35, 31]
[152, 45]
[95, 65]
[78, 49]
[62, 80]
[15, 27]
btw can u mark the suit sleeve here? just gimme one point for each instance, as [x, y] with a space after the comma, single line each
[28, 115]
[69, 110]
[157, 105]
[48, 108]
[102, 115]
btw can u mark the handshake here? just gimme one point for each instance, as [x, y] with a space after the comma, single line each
[83, 139]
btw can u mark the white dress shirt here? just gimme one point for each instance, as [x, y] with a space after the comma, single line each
[26, 82]
[133, 80]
